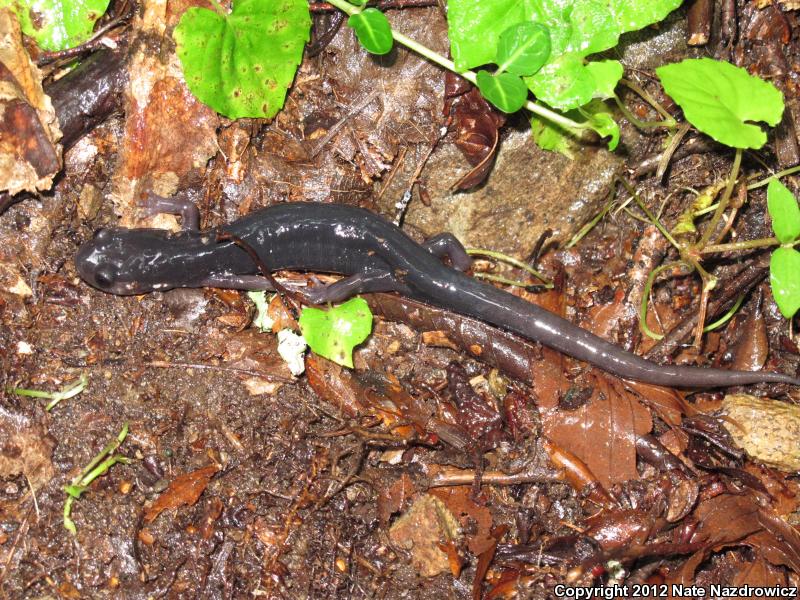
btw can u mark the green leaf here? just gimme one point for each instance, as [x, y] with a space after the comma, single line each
[784, 278]
[243, 63]
[719, 99]
[372, 30]
[523, 48]
[598, 115]
[335, 332]
[57, 24]
[506, 91]
[550, 136]
[577, 29]
[606, 75]
[785, 213]
[474, 27]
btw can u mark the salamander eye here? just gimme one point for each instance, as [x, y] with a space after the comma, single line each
[101, 235]
[105, 276]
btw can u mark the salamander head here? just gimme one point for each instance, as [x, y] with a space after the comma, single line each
[133, 261]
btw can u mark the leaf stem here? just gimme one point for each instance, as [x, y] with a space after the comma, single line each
[777, 175]
[746, 245]
[653, 219]
[649, 99]
[648, 286]
[470, 76]
[723, 203]
[726, 317]
[638, 122]
[218, 7]
[508, 260]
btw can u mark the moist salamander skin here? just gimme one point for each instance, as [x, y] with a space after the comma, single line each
[375, 255]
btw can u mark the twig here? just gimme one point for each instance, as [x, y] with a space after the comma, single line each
[324, 7]
[449, 476]
[162, 364]
[339, 124]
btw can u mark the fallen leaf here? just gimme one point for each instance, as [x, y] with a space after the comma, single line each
[601, 432]
[421, 530]
[184, 490]
[29, 156]
[26, 448]
[395, 497]
[473, 518]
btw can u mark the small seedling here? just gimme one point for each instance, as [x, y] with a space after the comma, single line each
[69, 391]
[784, 265]
[721, 100]
[335, 332]
[98, 466]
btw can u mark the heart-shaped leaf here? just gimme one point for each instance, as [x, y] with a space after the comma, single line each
[523, 48]
[372, 30]
[721, 99]
[57, 24]
[242, 64]
[785, 213]
[334, 333]
[506, 91]
[784, 278]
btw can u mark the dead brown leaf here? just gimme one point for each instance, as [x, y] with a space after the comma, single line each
[421, 530]
[602, 432]
[475, 519]
[29, 156]
[26, 448]
[184, 490]
[477, 136]
[395, 497]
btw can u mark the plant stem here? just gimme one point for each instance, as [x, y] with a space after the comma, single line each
[723, 203]
[507, 281]
[648, 286]
[507, 259]
[638, 122]
[218, 7]
[649, 99]
[651, 216]
[676, 140]
[777, 175]
[747, 245]
[726, 317]
[470, 76]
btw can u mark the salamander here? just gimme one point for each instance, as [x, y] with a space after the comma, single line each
[373, 255]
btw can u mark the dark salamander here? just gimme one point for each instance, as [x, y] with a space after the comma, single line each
[374, 255]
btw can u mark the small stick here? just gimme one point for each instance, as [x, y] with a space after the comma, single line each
[162, 364]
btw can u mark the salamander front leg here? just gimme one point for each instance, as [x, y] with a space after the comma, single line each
[369, 281]
[446, 245]
[178, 205]
[251, 283]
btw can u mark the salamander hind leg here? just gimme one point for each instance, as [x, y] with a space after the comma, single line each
[361, 283]
[446, 245]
